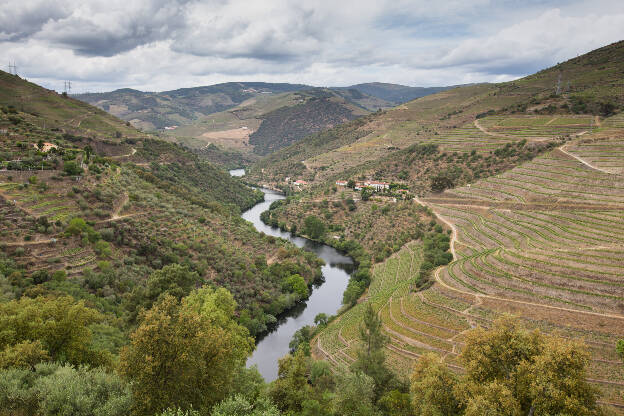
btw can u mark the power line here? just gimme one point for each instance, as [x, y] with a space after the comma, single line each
[12, 68]
[67, 86]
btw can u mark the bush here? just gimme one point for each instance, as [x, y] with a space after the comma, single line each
[71, 168]
[51, 390]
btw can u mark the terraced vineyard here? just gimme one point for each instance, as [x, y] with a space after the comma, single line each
[537, 126]
[544, 241]
[467, 138]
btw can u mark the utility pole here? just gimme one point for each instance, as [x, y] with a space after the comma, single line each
[12, 68]
[67, 86]
[558, 84]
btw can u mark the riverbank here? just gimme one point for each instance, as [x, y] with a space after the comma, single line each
[326, 296]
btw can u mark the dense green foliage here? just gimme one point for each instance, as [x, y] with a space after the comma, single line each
[62, 390]
[509, 371]
[314, 227]
[42, 329]
[214, 185]
[184, 354]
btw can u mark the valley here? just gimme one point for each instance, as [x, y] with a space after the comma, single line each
[530, 203]
[280, 249]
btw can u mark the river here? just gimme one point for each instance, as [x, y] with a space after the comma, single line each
[326, 295]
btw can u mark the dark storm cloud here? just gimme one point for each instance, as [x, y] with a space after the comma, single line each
[21, 20]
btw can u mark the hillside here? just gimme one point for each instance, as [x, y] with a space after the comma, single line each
[392, 93]
[524, 180]
[268, 122]
[318, 110]
[156, 110]
[97, 214]
[56, 112]
[249, 118]
[589, 84]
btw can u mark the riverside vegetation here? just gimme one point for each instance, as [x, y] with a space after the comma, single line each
[525, 183]
[129, 284]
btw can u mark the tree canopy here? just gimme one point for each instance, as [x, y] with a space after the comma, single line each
[509, 371]
[185, 353]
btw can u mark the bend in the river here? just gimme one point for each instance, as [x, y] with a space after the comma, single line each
[326, 297]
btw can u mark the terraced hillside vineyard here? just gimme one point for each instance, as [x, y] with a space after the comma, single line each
[532, 206]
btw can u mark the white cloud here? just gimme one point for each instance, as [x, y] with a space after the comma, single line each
[161, 44]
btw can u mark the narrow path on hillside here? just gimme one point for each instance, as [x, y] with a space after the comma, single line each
[589, 165]
[445, 221]
[120, 205]
[132, 152]
[30, 243]
[489, 133]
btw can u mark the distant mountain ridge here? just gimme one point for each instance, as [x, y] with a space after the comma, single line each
[156, 110]
[393, 93]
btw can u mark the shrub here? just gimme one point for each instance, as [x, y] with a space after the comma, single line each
[71, 168]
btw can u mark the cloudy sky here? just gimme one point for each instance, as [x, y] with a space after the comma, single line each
[156, 45]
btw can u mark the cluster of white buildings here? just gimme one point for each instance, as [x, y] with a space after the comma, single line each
[377, 186]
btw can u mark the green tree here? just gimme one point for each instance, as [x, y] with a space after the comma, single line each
[51, 389]
[321, 319]
[441, 181]
[179, 412]
[184, 354]
[296, 284]
[354, 396]
[238, 405]
[88, 150]
[370, 356]
[432, 388]
[301, 339]
[72, 168]
[619, 348]
[509, 371]
[396, 403]
[34, 330]
[173, 280]
[555, 380]
[314, 227]
[83, 392]
[291, 387]
[365, 194]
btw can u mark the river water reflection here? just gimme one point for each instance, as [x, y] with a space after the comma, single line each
[326, 296]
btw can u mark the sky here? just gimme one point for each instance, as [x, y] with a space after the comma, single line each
[158, 45]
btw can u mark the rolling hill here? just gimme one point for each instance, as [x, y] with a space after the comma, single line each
[525, 179]
[452, 119]
[268, 122]
[252, 118]
[156, 110]
[90, 207]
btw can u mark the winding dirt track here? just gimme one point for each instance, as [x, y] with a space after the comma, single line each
[589, 165]
[480, 296]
